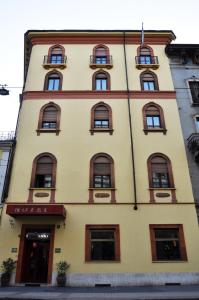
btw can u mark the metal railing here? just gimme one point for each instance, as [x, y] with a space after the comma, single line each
[101, 60]
[7, 135]
[55, 60]
[146, 60]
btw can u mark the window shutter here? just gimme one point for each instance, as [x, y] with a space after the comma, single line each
[102, 166]
[44, 165]
[159, 165]
[144, 51]
[50, 114]
[56, 51]
[100, 51]
[152, 111]
[101, 113]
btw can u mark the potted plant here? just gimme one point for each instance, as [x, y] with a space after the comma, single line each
[62, 266]
[7, 267]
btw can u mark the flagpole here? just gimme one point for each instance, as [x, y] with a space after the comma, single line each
[142, 35]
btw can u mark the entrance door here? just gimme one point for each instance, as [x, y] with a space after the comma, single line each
[36, 247]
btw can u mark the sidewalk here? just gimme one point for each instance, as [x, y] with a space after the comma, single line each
[119, 293]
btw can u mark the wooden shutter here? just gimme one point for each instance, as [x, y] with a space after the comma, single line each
[159, 165]
[145, 51]
[101, 113]
[152, 111]
[44, 165]
[56, 51]
[50, 114]
[100, 51]
[102, 166]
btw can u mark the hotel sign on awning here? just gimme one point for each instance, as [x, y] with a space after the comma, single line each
[17, 210]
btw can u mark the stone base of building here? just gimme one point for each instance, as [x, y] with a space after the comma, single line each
[129, 279]
[124, 279]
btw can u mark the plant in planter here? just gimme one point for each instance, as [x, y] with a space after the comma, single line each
[62, 266]
[7, 267]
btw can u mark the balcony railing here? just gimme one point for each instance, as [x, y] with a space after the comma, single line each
[193, 145]
[101, 61]
[54, 62]
[7, 135]
[147, 62]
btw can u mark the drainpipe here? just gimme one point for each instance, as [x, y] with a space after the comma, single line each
[130, 123]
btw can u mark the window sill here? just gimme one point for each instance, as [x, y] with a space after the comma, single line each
[99, 188]
[155, 130]
[103, 261]
[162, 189]
[48, 66]
[43, 188]
[48, 131]
[92, 131]
[147, 66]
[100, 66]
[170, 261]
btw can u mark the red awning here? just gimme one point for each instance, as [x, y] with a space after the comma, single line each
[17, 210]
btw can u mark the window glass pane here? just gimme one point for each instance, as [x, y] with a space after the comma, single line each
[167, 244]
[98, 84]
[104, 84]
[101, 124]
[197, 123]
[194, 87]
[102, 181]
[56, 58]
[43, 181]
[49, 125]
[149, 121]
[160, 180]
[145, 59]
[53, 84]
[102, 245]
[100, 60]
[156, 121]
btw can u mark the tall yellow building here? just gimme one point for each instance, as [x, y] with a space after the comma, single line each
[100, 176]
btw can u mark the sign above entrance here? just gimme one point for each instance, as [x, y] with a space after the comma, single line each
[17, 210]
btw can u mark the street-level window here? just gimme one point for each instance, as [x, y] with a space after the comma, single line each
[167, 243]
[102, 243]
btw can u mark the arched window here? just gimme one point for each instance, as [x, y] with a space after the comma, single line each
[145, 55]
[56, 54]
[102, 171]
[149, 81]
[49, 118]
[153, 118]
[160, 171]
[101, 81]
[44, 171]
[53, 81]
[101, 55]
[101, 118]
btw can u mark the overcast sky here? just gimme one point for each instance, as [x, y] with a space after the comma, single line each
[18, 16]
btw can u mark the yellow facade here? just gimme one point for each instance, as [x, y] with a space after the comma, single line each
[74, 147]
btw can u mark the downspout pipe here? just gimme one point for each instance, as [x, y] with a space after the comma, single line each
[130, 123]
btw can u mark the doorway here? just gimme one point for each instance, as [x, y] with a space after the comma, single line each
[36, 248]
